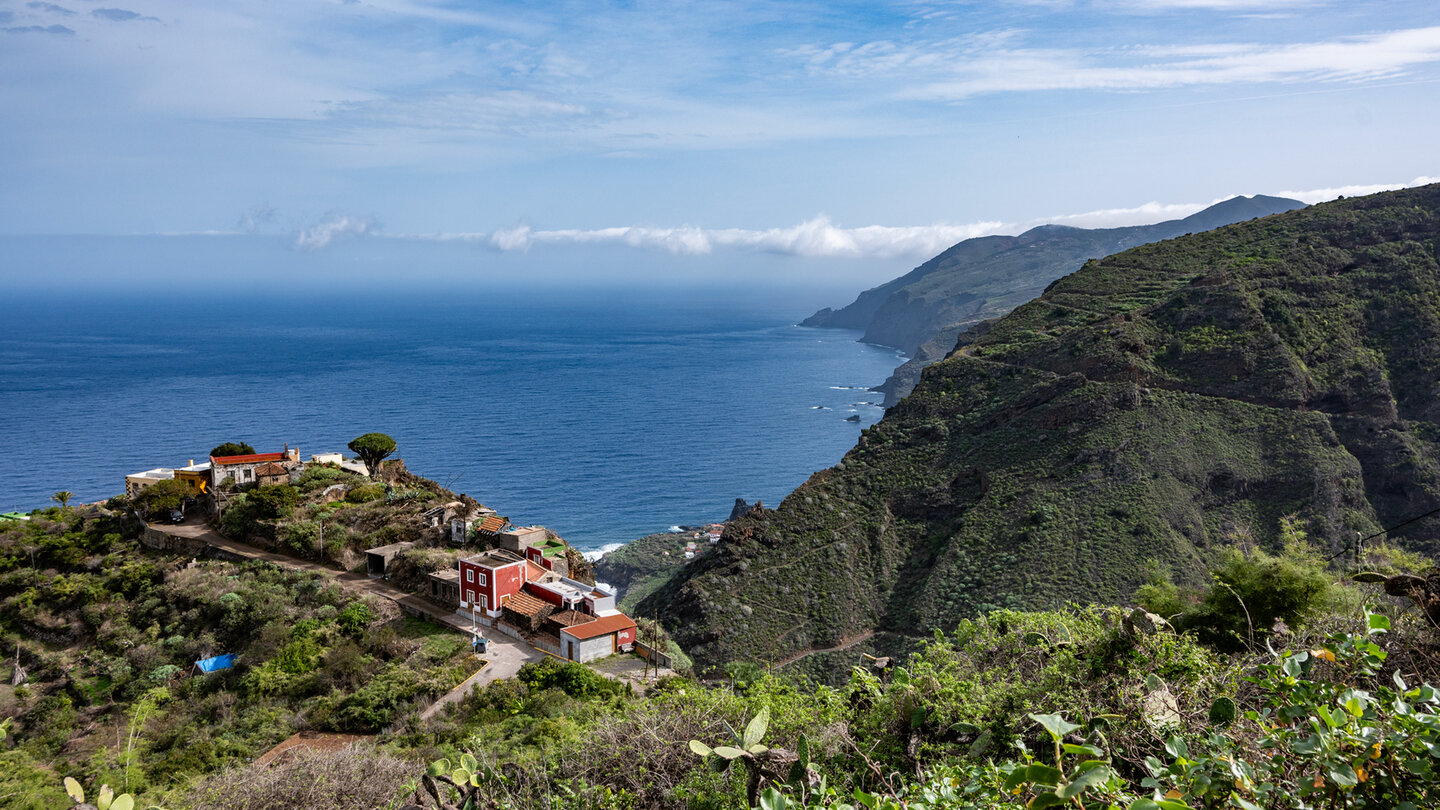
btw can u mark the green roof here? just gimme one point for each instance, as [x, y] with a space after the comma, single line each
[14, 516]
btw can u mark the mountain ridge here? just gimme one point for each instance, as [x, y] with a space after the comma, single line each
[1155, 405]
[985, 277]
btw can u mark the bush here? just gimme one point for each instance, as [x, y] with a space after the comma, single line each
[575, 680]
[273, 501]
[366, 493]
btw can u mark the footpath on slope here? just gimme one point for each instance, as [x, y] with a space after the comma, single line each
[503, 659]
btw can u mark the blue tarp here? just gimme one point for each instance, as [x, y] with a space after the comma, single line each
[217, 663]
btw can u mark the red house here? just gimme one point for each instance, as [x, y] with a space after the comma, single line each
[488, 579]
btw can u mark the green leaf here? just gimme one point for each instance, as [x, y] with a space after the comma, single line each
[1222, 711]
[772, 799]
[438, 767]
[1342, 774]
[1014, 780]
[718, 764]
[107, 795]
[1368, 576]
[1083, 782]
[1034, 639]
[1045, 800]
[701, 749]
[1083, 750]
[981, 744]
[1377, 622]
[123, 802]
[460, 776]
[756, 730]
[74, 791]
[1144, 804]
[802, 750]
[1042, 774]
[1055, 724]
[468, 763]
[728, 752]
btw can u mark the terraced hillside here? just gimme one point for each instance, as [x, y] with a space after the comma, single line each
[1151, 406]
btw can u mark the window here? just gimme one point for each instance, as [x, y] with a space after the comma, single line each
[469, 575]
[482, 577]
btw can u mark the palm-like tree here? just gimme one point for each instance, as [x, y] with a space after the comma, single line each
[62, 497]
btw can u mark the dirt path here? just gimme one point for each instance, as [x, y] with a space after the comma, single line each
[845, 645]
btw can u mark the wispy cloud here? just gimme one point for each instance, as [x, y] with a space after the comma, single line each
[999, 62]
[333, 229]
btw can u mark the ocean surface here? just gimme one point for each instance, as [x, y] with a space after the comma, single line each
[604, 415]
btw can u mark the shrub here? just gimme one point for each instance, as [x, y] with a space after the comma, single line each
[366, 493]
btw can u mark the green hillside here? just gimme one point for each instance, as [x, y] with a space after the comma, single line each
[1155, 405]
[986, 277]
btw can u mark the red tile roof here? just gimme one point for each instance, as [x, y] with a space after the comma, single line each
[525, 604]
[603, 626]
[273, 468]
[492, 524]
[250, 459]
[533, 571]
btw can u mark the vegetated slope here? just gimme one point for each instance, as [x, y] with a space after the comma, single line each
[986, 277]
[1150, 406]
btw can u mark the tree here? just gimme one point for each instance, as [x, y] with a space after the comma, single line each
[62, 497]
[372, 448]
[161, 497]
[233, 449]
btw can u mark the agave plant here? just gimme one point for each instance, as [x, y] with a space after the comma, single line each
[748, 749]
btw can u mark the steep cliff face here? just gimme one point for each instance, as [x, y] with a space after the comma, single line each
[1153, 405]
[985, 278]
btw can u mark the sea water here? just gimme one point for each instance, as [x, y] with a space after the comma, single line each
[604, 415]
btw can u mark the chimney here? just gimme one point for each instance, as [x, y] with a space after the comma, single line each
[292, 453]
[191, 464]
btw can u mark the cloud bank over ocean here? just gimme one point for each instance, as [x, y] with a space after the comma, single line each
[820, 237]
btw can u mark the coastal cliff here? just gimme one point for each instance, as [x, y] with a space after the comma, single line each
[1155, 405]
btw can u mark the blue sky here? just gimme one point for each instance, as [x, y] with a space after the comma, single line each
[874, 131]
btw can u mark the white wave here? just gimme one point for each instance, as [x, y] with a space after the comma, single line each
[602, 551]
[675, 530]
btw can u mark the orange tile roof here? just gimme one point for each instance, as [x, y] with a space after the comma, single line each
[534, 571]
[525, 604]
[250, 459]
[273, 468]
[603, 626]
[492, 524]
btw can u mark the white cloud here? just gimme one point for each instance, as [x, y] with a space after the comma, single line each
[819, 237]
[959, 68]
[335, 228]
[1323, 194]
[814, 237]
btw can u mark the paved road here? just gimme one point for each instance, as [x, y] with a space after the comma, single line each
[503, 659]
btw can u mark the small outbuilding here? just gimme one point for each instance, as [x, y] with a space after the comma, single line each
[377, 559]
[604, 636]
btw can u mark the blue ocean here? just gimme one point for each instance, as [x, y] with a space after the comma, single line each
[604, 414]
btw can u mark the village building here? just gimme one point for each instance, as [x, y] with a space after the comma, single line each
[445, 586]
[550, 554]
[377, 560]
[271, 474]
[135, 483]
[598, 638]
[519, 538]
[239, 470]
[489, 578]
[196, 477]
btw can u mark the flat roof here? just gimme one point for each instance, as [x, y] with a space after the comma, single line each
[391, 548]
[495, 558]
[158, 472]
